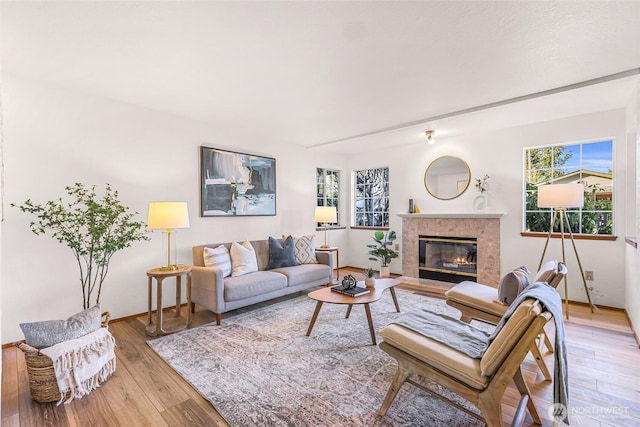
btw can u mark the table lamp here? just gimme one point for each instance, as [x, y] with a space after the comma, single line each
[325, 215]
[559, 197]
[168, 216]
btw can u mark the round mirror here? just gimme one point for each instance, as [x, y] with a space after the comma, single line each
[447, 177]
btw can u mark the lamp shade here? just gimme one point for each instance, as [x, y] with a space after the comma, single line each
[168, 215]
[561, 196]
[326, 214]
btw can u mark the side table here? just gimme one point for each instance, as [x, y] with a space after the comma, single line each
[333, 249]
[175, 323]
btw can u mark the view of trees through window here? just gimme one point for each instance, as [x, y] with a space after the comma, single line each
[371, 201]
[590, 164]
[328, 189]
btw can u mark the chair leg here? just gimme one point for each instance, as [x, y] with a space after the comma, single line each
[535, 352]
[491, 409]
[396, 383]
[547, 341]
[518, 379]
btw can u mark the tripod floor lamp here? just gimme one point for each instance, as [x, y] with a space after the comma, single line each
[559, 197]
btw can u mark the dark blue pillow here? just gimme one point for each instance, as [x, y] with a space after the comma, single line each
[281, 255]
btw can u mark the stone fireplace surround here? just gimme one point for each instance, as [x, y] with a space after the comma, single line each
[483, 226]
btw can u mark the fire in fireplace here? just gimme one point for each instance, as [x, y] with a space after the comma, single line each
[448, 259]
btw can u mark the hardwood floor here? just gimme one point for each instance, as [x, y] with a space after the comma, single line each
[604, 380]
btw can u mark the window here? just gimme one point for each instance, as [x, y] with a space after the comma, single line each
[589, 163]
[328, 190]
[371, 203]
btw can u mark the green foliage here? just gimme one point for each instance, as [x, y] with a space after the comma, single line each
[369, 273]
[94, 229]
[383, 248]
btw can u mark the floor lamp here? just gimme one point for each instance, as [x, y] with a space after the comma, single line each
[325, 215]
[168, 216]
[559, 197]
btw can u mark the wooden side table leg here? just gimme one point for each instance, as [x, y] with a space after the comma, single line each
[189, 300]
[395, 299]
[337, 266]
[149, 299]
[367, 309]
[178, 295]
[159, 329]
[314, 317]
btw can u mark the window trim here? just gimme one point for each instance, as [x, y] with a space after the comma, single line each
[355, 199]
[337, 172]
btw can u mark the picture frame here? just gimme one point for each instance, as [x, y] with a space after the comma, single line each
[236, 184]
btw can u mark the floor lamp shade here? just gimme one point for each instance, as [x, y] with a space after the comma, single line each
[168, 216]
[561, 196]
[325, 215]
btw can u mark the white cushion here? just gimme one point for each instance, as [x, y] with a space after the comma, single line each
[243, 259]
[218, 257]
[305, 248]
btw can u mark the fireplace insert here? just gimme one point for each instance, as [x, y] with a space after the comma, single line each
[448, 259]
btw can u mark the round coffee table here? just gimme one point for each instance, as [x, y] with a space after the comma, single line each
[327, 295]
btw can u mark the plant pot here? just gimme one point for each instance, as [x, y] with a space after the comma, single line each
[385, 271]
[370, 282]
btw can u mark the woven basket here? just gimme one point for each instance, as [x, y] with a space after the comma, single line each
[43, 384]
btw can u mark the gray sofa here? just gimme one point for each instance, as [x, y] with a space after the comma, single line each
[220, 295]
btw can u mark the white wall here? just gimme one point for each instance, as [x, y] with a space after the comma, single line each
[500, 155]
[54, 138]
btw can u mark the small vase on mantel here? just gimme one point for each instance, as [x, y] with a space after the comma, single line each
[480, 203]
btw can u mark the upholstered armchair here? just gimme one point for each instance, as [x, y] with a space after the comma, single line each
[480, 302]
[481, 381]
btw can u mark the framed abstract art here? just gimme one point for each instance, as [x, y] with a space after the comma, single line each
[236, 184]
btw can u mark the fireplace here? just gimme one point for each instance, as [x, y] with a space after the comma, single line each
[447, 259]
[482, 226]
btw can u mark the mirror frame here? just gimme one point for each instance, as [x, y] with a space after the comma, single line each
[460, 192]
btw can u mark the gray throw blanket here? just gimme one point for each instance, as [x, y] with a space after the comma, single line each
[473, 342]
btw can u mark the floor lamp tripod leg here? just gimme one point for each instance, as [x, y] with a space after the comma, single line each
[584, 280]
[553, 220]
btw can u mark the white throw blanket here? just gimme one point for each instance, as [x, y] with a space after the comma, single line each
[82, 364]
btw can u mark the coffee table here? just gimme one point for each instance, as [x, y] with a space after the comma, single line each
[331, 297]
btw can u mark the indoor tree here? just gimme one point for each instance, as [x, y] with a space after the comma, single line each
[93, 228]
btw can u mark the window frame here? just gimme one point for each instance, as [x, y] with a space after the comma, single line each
[380, 214]
[598, 214]
[322, 197]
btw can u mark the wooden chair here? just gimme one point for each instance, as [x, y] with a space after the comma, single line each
[480, 302]
[480, 381]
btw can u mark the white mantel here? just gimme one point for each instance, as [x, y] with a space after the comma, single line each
[453, 215]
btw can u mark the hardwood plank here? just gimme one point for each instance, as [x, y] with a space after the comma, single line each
[33, 413]
[10, 405]
[188, 413]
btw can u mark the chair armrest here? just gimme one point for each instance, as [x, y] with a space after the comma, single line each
[325, 258]
[207, 288]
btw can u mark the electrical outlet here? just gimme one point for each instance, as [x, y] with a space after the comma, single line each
[397, 246]
[588, 275]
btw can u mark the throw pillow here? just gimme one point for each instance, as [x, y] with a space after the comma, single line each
[281, 255]
[512, 284]
[218, 257]
[243, 259]
[51, 332]
[305, 248]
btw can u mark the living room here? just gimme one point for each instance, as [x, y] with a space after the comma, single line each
[69, 114]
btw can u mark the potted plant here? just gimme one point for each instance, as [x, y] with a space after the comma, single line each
[94, 229]
[369, 281]
[382, 250]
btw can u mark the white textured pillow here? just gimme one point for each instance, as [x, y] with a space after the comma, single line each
[243, 259]
[305, 248]
[218, 257]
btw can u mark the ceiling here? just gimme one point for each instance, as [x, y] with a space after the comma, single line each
[314, 72]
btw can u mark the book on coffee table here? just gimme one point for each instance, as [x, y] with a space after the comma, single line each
[353, 292]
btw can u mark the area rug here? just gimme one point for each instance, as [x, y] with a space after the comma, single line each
[259, 368]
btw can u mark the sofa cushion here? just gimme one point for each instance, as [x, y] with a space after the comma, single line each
[281, 254]
[436, 354]
[51, 332]
[250, 285]
[305, 249]
[218, 257]
[243, 259]
[305, 273]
